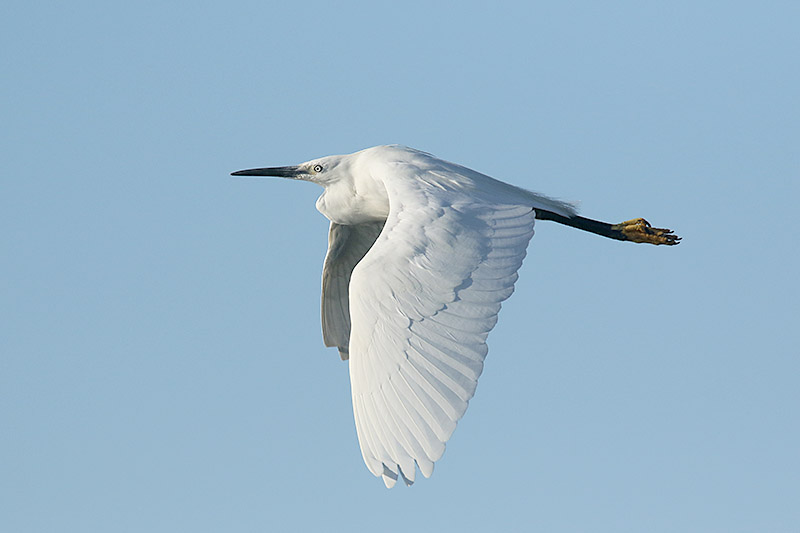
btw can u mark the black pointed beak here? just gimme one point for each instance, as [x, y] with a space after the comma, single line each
[280, 172]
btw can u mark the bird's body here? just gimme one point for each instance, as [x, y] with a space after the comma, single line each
[421, 254]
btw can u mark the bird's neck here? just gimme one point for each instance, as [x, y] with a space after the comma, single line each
[349, 203]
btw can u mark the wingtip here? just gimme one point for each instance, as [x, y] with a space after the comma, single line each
[408, 480]
[389, 477]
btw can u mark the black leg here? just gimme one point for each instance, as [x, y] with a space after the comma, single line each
[636, 230]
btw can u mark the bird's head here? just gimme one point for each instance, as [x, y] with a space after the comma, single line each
[322, 171]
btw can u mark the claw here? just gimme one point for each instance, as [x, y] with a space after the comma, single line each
[640, 230]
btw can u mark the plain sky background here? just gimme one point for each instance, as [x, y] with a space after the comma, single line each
[162, 366]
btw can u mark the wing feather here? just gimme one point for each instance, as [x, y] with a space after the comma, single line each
[347, 245]
[422, 300]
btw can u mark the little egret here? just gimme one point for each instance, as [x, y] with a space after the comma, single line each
[421, 253]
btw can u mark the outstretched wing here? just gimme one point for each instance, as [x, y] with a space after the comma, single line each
[422, 302]
[346, 247]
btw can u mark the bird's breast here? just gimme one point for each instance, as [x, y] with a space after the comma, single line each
[348, 206]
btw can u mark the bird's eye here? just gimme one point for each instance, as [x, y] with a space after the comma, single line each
[317, 168]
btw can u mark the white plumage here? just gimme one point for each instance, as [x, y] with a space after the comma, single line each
[421, 254]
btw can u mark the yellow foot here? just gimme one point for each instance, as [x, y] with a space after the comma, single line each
[640, 230]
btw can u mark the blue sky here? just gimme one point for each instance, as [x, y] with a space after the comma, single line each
[162, 367]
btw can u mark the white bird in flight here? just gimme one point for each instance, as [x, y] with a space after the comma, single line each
[421, 253]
